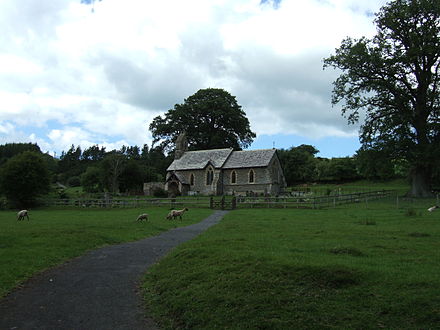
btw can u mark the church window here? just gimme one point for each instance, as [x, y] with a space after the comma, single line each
[191, 179]
[209, 176]
[251, 176]
[234, 177]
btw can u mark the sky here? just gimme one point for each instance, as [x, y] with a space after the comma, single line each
[98, 73]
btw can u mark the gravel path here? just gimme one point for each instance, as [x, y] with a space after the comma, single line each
[97, 290]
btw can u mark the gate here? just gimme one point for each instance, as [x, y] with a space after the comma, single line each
[223, 203]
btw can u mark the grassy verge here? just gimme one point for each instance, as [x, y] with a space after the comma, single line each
[401, 186]
[55, 235]
[350, 267]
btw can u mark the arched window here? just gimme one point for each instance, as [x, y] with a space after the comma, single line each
[209, 176]
[191, 180]
[251, 176]
[233, 177]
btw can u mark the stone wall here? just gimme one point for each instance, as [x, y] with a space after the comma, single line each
[266, 181]
[150, 186]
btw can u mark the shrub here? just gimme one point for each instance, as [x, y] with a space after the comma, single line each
[74, 181]
[25, 177]
[160, 192]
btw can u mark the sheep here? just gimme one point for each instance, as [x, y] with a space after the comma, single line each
[143, 216]
[432, 208]
[176, 213]
[22, 214]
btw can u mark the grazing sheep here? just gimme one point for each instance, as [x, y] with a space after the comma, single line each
[22, 214]
[143, 216]
[176, 213]
[432, 208]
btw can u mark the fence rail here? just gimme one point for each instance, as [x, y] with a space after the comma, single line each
[310, 201]
[228, 202]
[128, 202]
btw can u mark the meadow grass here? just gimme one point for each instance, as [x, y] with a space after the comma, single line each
[56, 235]
[349, 267]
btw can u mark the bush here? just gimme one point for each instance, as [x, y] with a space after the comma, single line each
[23, 178]
[160, 192]
[74, 181]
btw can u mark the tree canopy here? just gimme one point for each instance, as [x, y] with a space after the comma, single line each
[24, 177]
[395, 78]
[211, 118]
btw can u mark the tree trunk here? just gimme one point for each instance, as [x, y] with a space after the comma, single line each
[420, 183]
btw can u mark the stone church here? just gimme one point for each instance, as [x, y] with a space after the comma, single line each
[224, 172]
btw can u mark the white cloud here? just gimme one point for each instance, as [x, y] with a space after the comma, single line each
[70, 76]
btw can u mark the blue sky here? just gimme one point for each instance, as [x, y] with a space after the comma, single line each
[70, 75]
[328, 147]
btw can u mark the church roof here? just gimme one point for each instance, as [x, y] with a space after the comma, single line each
[250, 158]
[222, 158]
[194, 160]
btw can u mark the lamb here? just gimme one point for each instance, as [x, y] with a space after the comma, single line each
[176, 213]
[432, 208]
[143, 216]
[22, 214]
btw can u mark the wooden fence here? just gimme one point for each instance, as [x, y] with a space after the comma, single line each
[309, 201]
[225, 202]
[138, 202]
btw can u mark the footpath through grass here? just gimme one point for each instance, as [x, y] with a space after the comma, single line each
[56, 235]
[347, 268]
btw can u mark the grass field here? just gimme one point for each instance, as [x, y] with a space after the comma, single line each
[55, 235]
[350, 267]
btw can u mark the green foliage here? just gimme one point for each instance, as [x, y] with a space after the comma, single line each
[298, 163]
[160, 192]
[53, 236]
[123, 170]
[211, 118]
[9, 150]
[374, 164]
[91, 180]
[272, 269]
[133, 176]
[24, 177]
[342, 169]
[301, 166]
[74, 181]
[394, 77]
[112, 167]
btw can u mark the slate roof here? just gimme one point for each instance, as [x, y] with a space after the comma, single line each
[196, 160]
[249, 158]
[222, 158]
[181, 178]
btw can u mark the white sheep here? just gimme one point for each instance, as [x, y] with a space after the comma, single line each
[143, 216]
[176, 213]
[432, 208]
[22, 214]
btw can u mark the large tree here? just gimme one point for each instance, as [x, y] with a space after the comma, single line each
[25, 177]
[395, 78]
[211, 118]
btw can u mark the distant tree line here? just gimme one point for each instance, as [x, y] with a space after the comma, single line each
[116, 171]
[26, 172]
[301, 165]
